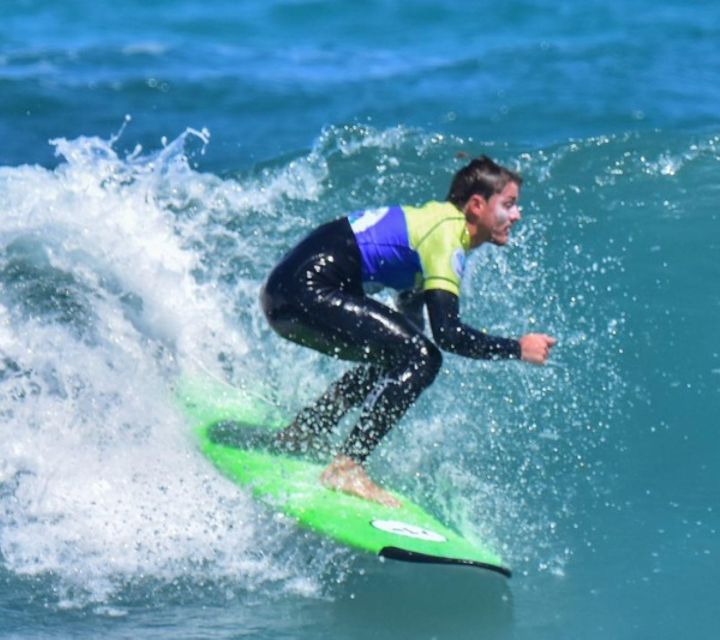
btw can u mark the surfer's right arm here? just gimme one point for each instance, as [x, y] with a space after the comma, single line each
[452, 335]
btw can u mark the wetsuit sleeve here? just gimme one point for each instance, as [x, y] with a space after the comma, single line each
[410, 304]
[452, 335]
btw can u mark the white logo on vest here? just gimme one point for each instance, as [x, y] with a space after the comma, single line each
[457, 262]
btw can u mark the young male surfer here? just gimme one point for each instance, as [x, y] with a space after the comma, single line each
[316, 297]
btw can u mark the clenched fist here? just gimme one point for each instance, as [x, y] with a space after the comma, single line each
[535, 347]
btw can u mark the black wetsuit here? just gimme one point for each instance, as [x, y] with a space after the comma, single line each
[315, 298]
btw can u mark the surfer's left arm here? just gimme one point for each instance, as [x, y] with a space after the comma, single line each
[454, 336]
[410, 304]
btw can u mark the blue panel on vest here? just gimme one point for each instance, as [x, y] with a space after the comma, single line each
[382, 238]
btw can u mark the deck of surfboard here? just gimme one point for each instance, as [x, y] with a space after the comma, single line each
[291, 485]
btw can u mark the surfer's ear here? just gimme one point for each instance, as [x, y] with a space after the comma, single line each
[474, 207]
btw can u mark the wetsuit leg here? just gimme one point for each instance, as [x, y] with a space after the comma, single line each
[315, 298]
[416, 366]
[313, 425]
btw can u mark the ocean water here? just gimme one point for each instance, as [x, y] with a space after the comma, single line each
[158, 158]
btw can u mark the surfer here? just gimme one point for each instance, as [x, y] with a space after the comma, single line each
[317, 297]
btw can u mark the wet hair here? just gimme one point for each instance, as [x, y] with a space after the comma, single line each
[483, 177]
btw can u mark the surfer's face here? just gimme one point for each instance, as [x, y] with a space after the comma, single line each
[504, 212]
[491, 220]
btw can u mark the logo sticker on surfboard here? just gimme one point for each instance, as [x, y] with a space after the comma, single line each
[407, 530]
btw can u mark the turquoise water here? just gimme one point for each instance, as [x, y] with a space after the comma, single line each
[156, 161]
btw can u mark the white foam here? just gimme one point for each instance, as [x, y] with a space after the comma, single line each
[100, 481]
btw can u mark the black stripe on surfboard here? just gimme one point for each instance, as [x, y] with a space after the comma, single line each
[395, 553]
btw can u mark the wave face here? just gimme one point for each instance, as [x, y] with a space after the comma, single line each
[120, 273]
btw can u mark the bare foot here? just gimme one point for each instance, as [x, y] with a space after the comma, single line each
[347, 476]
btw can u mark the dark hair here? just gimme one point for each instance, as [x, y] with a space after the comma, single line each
[483, 177]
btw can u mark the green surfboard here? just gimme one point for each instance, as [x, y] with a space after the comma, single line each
[291, 485]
